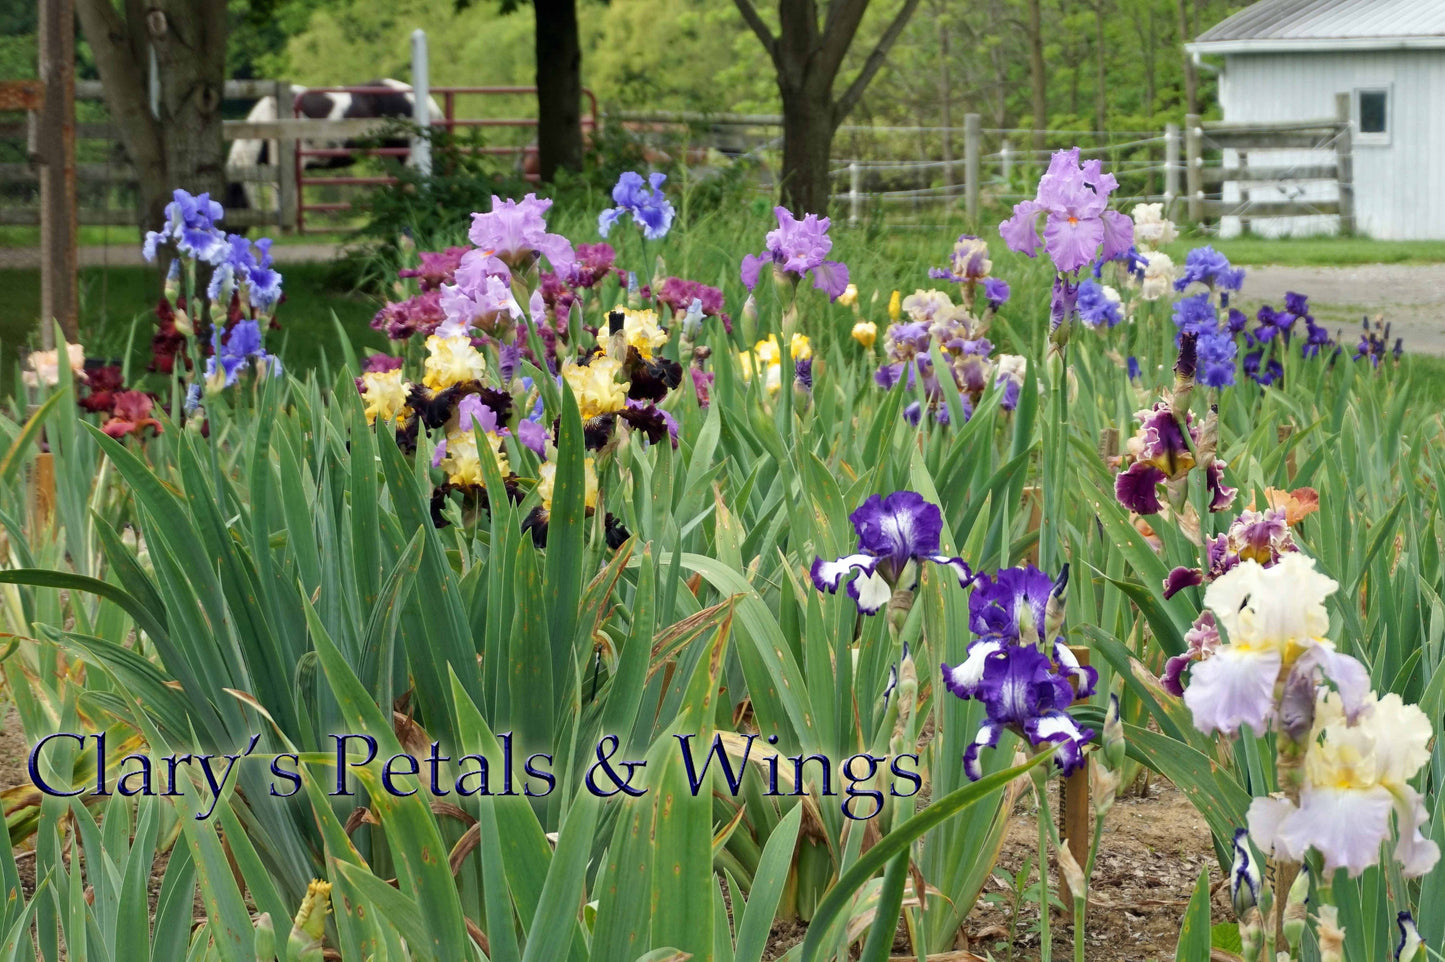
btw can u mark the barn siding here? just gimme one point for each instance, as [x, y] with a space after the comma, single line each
[1399, 187]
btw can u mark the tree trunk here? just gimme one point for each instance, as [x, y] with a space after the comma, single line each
[559, 87]
[1191, 76]
[190, 45]
[1038, 75]
[808, 129]
[181, 145]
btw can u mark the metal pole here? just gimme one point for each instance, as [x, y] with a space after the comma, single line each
[56, 143]
[972, 134]
[421, 100]
[855, 196]
[1171, 166]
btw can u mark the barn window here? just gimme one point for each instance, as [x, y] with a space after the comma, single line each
[1372, 114]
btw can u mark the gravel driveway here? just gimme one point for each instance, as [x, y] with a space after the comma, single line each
[1410, 296]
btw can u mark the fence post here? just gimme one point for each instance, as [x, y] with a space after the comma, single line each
[1171, 167]
[855, 197]
[972, 130]
[56, 148]
[1006, 161]
[421, 104]
[287, 187]
[1194, 166]
[1345, 164]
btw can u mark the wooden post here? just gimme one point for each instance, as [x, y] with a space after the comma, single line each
[972, 137]
[285, 161]
[1194, 166]
[1243, 191]
[1345, 164]
[42, 489]
[1171, 167]
[56, 153]
[1074, 816]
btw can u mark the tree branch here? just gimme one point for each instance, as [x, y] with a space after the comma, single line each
[753, 20]
[845, 104]
[840, 25]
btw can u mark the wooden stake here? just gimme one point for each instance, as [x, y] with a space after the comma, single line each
[1074, 815]
[42, 490]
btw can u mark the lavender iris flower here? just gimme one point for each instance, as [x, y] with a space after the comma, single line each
[892, 532]
[1022, 689]
[1195, 315]
[515, 234]
[649, 209]
[191, 226]
[799, 247]
[1078, 227]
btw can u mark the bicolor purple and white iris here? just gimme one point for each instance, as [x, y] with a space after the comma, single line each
[644, 200]
[1022, 689]
[799, 247]
[893, 532]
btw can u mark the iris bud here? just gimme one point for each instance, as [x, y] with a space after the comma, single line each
[265, 944]
[1113, 734]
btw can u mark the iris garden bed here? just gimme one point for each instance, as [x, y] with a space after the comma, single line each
[632, 607]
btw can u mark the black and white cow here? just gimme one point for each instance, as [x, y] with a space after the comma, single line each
[397, 101]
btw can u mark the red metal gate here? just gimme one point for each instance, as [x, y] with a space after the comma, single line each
[449, 121]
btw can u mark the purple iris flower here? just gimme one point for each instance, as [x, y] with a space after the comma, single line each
[1273, 322]
[644, 201]
[1096, 308]
[515, 234]
[1078, 226]
[798, 247]
[1134, 371]
[1316, 338]
[1216, 351]
[243, 345]
[803, 372]
[1195, 315]
[249, 265]
[996, 292]
[1236, 321]
[191, 226]
[1063, 303]
[892, 531]
[1205, 265]
[1022, 689]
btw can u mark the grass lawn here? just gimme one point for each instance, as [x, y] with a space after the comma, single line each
[1316, 251]
[112, 299]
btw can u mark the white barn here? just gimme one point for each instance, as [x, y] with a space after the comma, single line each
[1285, 60]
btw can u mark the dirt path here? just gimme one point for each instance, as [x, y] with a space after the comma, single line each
[128, 255]
[1410, 296]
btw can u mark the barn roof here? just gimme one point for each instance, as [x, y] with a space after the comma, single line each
[1306, 25]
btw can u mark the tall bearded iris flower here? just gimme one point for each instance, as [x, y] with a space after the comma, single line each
[1078, 227]
[1356, 774]
[892, 531]
[644, 201]
[1017, 616]
[515, 233]
[1275, 620]
[798, 247]
[191, 226]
